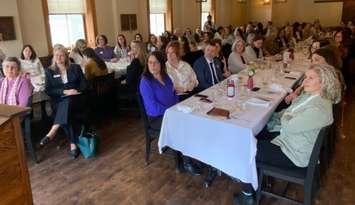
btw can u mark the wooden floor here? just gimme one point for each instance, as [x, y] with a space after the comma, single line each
[118, 175]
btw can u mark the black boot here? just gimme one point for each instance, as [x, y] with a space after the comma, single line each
[191, 167]
[243, 199]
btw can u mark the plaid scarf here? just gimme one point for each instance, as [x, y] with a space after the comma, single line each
[11, 96]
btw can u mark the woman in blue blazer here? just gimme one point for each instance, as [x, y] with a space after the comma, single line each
[65, 83]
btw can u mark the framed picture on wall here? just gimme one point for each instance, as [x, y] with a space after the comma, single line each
[7, 28]
[128, 22]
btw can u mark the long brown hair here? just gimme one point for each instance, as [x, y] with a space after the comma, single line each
[142, 57]
[161, 58]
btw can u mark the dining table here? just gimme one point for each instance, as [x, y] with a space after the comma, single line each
[119, 67]
[227, 141]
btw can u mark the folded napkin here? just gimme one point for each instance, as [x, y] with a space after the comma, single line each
[184, 108]
[258, 102]
[279, 88]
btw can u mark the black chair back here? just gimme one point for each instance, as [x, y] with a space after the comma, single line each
[150, 134]
[26, 130]
[313, 161]
[101, 93]
[102, 85]
[143, 112]
[308, 177]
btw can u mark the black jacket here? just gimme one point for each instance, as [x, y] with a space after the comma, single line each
[55, 85]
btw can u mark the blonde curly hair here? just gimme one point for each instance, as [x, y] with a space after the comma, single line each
[330, 84]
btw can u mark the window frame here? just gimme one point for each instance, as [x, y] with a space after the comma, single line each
[164, 15]
[168, 16]
[66, 15]
[212, 12]
[89, 21]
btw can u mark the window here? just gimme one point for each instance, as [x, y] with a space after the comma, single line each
[157, 16]
[205, 11]
[66, 21]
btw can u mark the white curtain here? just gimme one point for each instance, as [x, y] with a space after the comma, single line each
[206, 6]
[157, 6]
[66, 6]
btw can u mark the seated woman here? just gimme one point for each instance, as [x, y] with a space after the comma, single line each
[254, 51]
[193, 55]
[94, 65]
[65, 82]
[135, 68]
[236, 60]
[281, 39]
[152, 43]
[320, 56]
[15, 89]
[180, 72]
[293, 131]
[138, 37]
[121, 50]
[104, 51]
[77, 52]
[32, 66]
[157, 91]
[220, 57]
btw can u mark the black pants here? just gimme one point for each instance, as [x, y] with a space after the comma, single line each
[155, 122]
[70, 110]
[268, 153]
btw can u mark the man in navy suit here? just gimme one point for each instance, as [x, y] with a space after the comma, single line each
[207, 69]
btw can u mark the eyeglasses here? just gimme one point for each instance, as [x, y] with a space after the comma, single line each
[153, 63]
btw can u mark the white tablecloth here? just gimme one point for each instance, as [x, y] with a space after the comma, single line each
[120, 67]
[226, 144]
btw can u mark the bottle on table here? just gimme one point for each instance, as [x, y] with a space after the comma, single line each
[230, 88]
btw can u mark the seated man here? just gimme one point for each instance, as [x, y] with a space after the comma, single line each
[208, 70]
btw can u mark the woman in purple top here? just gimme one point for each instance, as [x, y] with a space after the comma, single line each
[157, 89]
[15, 89]
[158, 94]
[104, 51]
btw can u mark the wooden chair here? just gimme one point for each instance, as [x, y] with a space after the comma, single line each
[150, 133]
[101, 94]
[304, 176]
[26, 130]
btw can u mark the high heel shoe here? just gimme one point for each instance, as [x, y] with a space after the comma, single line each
[74, 153]
[45, 140]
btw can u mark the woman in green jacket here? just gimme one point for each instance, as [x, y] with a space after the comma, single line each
[292, 132]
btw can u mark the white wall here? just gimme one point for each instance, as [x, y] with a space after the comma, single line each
[11, 48]
[186, 14]
[32, 25]
[307, 11]
[258, 11]
[230, 12]
[30, 29]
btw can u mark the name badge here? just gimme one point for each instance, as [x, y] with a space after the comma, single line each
[56, 76]
[101, 52]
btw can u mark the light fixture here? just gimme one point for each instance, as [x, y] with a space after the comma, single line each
[265, 2]
[241, 1]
